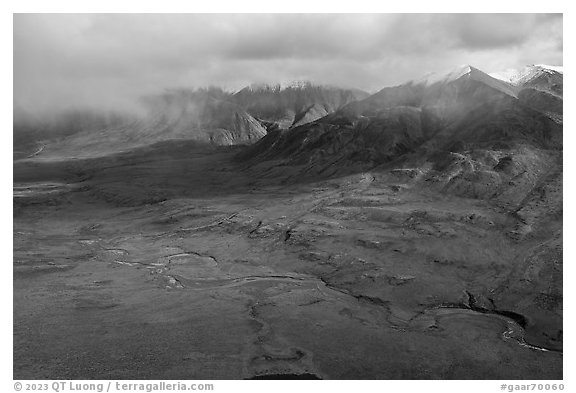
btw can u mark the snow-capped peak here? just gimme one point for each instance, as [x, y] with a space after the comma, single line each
[444, 77]
[517, 76]
[301, 84]
[558, 69]
[255, 87]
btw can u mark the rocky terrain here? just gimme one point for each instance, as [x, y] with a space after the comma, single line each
[412, 234]
[294, 104]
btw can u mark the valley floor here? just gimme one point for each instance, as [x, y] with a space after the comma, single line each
[164, 267]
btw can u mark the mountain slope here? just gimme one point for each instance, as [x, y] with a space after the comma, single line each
[211, 116]
[548, 77]
[452, 133]
[296, 104]
[539, 87]
[462, 109]
[447, 94]
[203, 115]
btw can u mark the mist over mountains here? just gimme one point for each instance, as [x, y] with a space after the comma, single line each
[108, 60]
[220, 117]
[210, 115]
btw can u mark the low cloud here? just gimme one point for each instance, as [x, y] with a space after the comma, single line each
[109, 60]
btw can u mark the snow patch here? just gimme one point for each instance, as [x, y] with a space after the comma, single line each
[443, 77]
[558, 69]
[276, 87]
[522, 75]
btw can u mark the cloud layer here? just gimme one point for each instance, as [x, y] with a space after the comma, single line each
[108, 60]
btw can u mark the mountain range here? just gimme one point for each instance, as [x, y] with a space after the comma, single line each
[208, 115]
[464, 131]
[244, 117]
[462, 109]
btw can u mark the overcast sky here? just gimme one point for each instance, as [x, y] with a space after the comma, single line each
[108, 60]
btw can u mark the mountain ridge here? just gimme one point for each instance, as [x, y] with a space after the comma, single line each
[454, 111]
[219, 117]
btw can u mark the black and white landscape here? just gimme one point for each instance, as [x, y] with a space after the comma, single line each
[297, 221]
